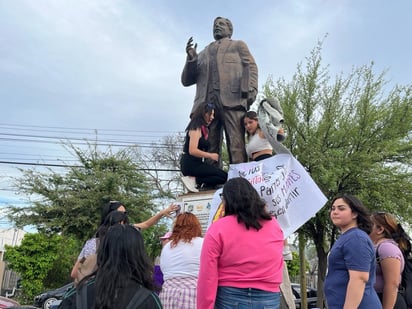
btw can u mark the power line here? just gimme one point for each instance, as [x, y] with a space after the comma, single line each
[14, 126]
[84, 143]
[14, 136]
[26, 154]
[9, 135]
[66, 165]
[37, 164]
[79, 141]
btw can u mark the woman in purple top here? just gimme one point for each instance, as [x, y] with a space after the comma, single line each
[351, 262]
[391, 242]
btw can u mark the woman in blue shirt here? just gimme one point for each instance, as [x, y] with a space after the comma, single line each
[351, 263]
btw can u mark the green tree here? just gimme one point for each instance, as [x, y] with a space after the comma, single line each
[42, 262]
[293, 265]
[353, 135]
[70, 202]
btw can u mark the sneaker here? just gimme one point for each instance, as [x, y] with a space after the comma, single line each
[190, 183]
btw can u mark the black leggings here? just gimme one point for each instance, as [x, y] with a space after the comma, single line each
[205, 173]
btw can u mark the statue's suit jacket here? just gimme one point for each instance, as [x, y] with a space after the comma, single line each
[234, 61]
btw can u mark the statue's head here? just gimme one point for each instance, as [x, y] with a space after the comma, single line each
[222, 28]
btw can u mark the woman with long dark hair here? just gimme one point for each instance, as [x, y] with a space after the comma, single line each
[241, 260]
[198, 173]
[90, 246]
[123, 278]
[351, 262]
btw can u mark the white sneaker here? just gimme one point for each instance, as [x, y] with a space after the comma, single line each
[190, 183]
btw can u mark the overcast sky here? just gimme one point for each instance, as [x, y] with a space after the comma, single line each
[115, 64]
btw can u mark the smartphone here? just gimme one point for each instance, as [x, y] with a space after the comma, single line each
[177, 211]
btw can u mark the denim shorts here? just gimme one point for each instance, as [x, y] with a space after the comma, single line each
[246, 298]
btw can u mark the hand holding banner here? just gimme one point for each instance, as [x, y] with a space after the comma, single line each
[290, 193]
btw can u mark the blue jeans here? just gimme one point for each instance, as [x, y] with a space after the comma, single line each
[237, 298]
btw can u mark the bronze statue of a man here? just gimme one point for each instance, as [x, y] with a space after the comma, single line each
[226, 74]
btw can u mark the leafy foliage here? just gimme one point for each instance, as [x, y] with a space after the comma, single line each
[293, 265]
[66, 207]
[42, 262]
[70, 203]
[152, 242]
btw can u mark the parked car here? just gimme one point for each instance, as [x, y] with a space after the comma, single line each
[311, 296]
[8, 303]
[55, 304]
[46, 299]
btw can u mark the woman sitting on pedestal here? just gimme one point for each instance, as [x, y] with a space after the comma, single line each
[198, 173]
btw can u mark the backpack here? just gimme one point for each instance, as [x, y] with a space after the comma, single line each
[137, 300]
[405, 288]
[87, 266]
[406, 284]
[141, 295]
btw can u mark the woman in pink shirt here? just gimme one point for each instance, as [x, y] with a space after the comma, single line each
[391, 243]
[241, 260]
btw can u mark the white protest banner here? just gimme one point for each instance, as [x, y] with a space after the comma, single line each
[290, 193]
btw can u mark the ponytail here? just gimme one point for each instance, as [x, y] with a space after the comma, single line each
[403, 240]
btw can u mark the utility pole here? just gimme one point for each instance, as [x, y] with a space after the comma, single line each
[302, 266]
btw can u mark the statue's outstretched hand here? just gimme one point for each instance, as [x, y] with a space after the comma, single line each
[190, 49]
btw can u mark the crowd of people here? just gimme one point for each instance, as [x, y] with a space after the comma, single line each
[366, 262]
[113, 212]
[239, 262]
[197, 272]
[226, 268]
